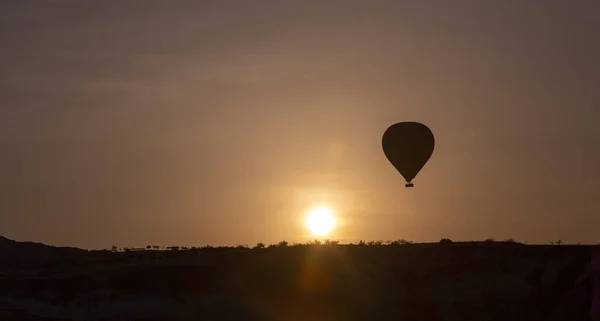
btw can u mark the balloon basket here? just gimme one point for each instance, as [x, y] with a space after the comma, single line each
[409, 185]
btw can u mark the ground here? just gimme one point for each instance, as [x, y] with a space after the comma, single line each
[460, 281]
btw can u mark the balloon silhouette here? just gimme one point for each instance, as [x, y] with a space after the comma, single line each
[408, 146]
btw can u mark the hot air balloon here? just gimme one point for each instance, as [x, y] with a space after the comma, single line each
[408, 146]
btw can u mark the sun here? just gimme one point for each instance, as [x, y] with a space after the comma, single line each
[320, 221]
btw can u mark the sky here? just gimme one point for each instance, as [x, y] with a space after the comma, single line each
[223, 122]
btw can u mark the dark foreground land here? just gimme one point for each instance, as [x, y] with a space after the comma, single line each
[421, 282]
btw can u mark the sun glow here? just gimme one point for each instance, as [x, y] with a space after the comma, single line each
[320, 221]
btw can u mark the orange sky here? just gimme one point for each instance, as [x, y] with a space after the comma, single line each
[221, 122]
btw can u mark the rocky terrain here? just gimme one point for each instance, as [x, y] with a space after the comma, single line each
[460, 281]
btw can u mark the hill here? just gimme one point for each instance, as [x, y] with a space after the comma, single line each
[470, 281]
[26, 256]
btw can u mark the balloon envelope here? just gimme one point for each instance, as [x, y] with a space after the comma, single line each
[408, 146]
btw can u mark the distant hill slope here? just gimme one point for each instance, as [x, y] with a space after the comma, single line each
[31, 255]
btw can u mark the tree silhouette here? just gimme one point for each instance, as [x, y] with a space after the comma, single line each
[446, 241]
[400, 242]
[315, 242]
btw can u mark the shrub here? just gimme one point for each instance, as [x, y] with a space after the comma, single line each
[314, 243]
[400, 242]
